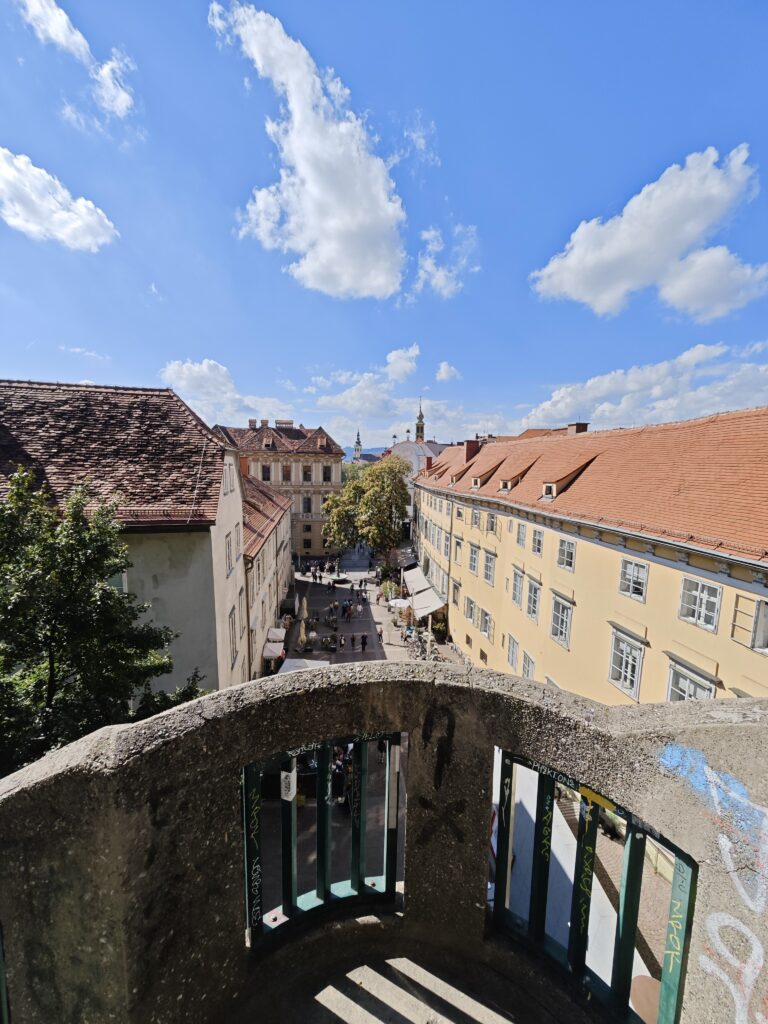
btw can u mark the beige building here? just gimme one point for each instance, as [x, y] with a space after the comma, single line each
[626, 565]
[186, 513]
[302, 462]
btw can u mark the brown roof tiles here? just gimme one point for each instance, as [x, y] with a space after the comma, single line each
[141, 446]
[263, 508]
[292, 440]
[703, 481]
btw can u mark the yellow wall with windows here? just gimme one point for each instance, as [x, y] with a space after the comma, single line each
[638, 639]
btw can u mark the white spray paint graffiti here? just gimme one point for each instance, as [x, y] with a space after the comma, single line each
[743, 844]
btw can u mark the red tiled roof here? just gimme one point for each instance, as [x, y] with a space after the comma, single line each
[263, 508]
[141, 446]
[293, 440]
[702, 482]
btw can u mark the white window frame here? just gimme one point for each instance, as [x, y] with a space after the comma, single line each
[232, 637]
[675, 668]
[459, 511]
[518, 579]
[447, 545]
[566, 554]
[513, 652]
[622, 638]
[238, 541]
[700, 604]
[474, 557]
[628, 578]
[228, 553]
[485, 623]
[761, 611]
[534, 590]
[469, 609]
[241, 609]
[489, 568]
[562, 618]
[521, 534]
[455, 593]
[490, 522]
[529, 666]
[476, 517]
[537, 541]
[457, 552]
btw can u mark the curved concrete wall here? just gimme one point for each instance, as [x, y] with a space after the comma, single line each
[121, 879]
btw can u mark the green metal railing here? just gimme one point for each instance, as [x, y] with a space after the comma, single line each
[533, 931]
[359, 887]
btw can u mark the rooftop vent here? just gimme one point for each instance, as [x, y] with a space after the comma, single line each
[578, 428]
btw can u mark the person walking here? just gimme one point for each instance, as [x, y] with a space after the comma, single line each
[352, 641]
[379, 596]
[363, 642]
[359, 609]
[380, 633]
[342, 641]
[319, 575]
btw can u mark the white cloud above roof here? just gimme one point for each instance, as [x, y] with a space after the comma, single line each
[656, 241]
[334, 206]
[401, 363]
[447, 372]
[442, 271]
[37, 204]
[208, 387]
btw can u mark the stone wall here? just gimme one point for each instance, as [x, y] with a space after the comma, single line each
[121, 878]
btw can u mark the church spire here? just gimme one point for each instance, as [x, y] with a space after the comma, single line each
[358, 446]
[420, 424]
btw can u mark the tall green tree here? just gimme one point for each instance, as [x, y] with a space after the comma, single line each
[384, 504]
[340, 529]
[74, 650]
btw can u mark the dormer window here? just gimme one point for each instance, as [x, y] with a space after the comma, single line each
[505, 485]
[475, 481]
[550, 491]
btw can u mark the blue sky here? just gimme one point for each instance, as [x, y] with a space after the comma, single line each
[525, 213]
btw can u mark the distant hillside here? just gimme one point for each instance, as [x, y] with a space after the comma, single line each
[350, 452]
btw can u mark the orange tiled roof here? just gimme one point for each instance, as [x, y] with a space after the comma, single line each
[702, 482]
[292, 440]
[142, 446]
[263, 508]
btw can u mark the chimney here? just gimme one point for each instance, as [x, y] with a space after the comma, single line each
[254, 424]
[471, 448]
[428, 463]
[578, 428]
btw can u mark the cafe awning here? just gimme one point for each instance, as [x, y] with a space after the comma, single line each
[272, 649]
[276, 634]
[427, 602]
[416, 581]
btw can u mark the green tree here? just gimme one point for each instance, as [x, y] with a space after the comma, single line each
[340, 529]
[384, 504]
[75, 651]
[351, 471]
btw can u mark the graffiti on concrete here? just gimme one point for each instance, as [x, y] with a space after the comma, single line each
[734, 954]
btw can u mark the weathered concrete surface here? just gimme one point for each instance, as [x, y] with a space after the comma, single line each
[121, 856]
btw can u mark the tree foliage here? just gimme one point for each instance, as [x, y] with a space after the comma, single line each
[75, 652]
[370, 508]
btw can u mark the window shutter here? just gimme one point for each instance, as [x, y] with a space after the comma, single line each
[491, 630]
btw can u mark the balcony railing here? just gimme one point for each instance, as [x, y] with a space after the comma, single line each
[612, 861]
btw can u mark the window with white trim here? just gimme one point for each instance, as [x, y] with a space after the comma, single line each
[448, 506]
[474, 557]
[626, 664]
[231, 476]
[241, 608]
[459, 512]
[537, 542]
[469, 609]
[490, 522]
[700, 603]
[486, 623]
[517, 588]
[489, 568]
[633, 580]
[447, 545]
[560, 629]
[513, 649]
[521, 534]
[529, 666]
[686, 685]
[475, 516]
[456, 593]
[232, 637]
[760, 630]
[225, 481]
[237, 540]
[457, 552]
[228, 549]
[534, 594]
[440, 505]
[566, 554]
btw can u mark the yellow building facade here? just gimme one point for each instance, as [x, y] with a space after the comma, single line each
[614, 614]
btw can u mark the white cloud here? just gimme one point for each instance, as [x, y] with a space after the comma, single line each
[77, 351]
[209, 388]
[287, 384]
[655, 241]
[444, 274]
[37, 204]
[110, 90]
[51, 24]
[368, 397]
[422, 140]
[401, 363]
[447, 372]
[335, 205]
[702, 380]
[247, 85]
